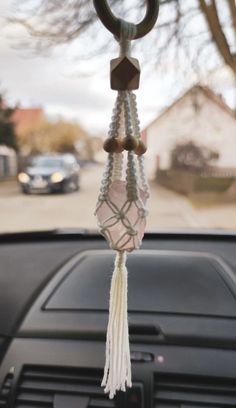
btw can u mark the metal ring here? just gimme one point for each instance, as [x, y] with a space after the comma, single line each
[112, 23]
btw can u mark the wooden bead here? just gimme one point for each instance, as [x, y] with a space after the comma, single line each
[120, 147]
[110, 145]
[129, 143]
[125, 73]
[113, 145]
[141, 148]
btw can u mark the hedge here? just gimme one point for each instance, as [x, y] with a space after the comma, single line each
[187, 182]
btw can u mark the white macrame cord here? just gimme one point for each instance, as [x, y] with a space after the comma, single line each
[117, 371]
[121, 213]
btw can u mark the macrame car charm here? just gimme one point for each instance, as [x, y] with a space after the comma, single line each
[121, 206]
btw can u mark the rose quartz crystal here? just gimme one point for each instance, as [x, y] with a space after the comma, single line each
[122, 222]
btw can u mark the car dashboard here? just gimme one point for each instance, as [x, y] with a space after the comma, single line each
[54, 312]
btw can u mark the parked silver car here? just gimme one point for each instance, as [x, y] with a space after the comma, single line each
[50, 173]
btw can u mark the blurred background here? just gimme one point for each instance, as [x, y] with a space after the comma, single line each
[56, 104]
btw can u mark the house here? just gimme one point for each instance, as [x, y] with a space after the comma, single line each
[8, 162]
[8, 156]
[200, 116]
[26, 119]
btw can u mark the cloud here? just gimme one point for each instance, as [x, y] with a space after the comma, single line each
[43, 81]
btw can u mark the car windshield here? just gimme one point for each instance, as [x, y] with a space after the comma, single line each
[47, 162]
[56, 106]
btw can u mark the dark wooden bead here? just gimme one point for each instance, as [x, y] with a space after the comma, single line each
[125, 73]
[141, 148]
[120, 147]
[113, 145]
[130, 143]
[110, 145]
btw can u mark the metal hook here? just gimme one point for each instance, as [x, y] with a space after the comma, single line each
[112, 23]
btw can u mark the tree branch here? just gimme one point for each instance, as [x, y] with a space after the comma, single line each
[232, 8]
[49, 25]
[211, 14]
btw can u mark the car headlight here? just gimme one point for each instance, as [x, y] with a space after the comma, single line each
[23, 178]
[57, 177]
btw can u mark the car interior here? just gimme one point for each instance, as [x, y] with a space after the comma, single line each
[101, 307]
[181, 320]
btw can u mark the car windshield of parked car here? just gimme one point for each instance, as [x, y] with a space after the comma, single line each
[46, 162]
[56, 106]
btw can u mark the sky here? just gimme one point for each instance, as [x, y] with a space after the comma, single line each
[55, 82]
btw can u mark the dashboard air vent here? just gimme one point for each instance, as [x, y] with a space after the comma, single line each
[177, 391]
[57, 387]
[6, 388]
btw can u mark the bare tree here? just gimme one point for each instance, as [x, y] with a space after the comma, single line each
[201, 31]
[220, 31]
[192, 157]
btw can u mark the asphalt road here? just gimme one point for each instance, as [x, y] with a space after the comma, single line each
[167, 210]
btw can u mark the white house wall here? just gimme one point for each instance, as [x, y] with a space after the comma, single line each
[211, 126]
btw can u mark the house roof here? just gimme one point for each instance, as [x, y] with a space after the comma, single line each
[209, 93]
[27, 118]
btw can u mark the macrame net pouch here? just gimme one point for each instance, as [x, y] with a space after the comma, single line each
[122, 221]
[121, 214]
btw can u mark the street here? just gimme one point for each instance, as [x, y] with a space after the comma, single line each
[167, 210]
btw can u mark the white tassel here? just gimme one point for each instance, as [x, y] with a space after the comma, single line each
[117, 371]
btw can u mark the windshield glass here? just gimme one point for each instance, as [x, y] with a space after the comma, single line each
[46, 162]
[56, 102]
